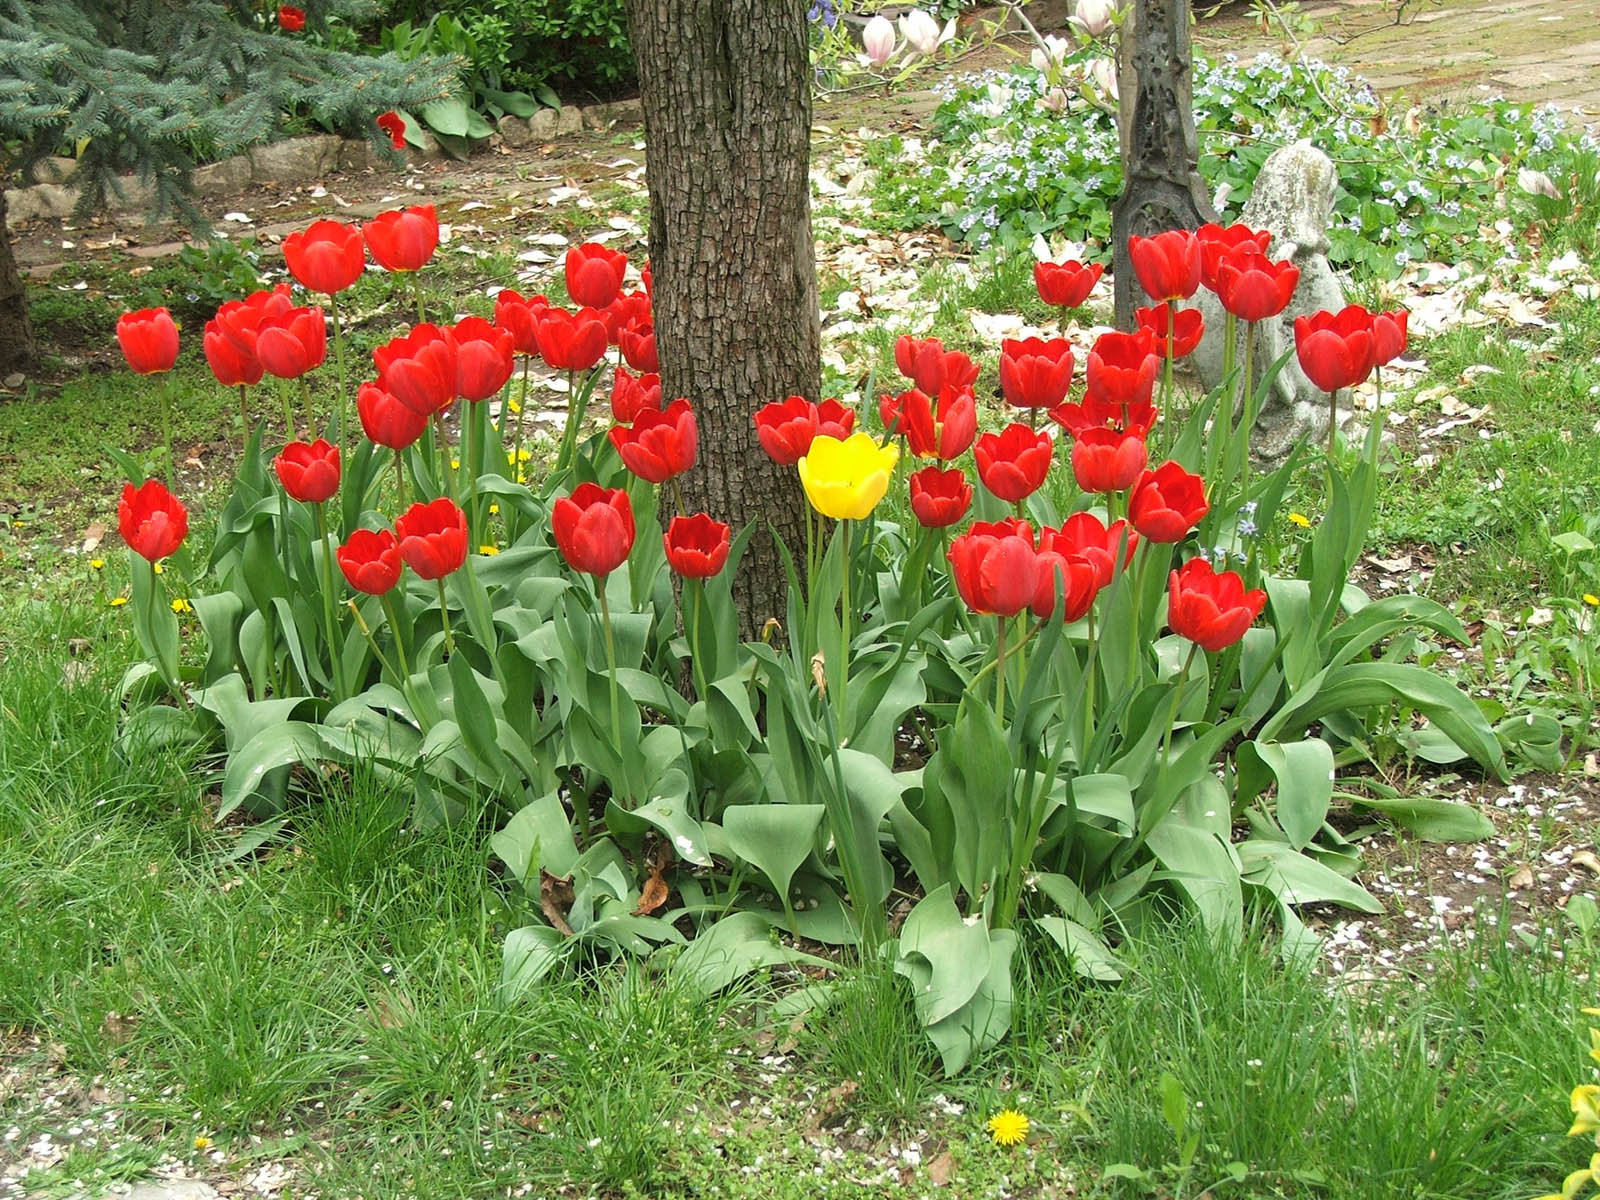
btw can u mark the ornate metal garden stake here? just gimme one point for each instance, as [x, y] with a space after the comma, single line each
[1161, 188]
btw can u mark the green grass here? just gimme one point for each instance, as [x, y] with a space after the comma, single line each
[335, 995]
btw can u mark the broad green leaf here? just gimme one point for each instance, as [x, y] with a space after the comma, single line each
[736, 945]
[666, 811]
[539, 835]
[954, 949]
[1431, 819]
[1295, 879]
[774, 838]
[1304, 774]
[984, 1019]
[1205, 869]
[530, 954]
[1086, 953]
[278, 745]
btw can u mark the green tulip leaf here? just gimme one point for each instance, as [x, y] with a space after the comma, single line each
[774, 838]
[1086, 953]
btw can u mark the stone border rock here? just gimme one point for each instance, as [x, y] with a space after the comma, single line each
[299, 160]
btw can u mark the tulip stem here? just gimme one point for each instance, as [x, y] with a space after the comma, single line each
[1089, 664]
[244, 417]
[1000, 672]
[335, 659]
[521, 414]
[1166, 373]
[311, 408]
[611, 674]
[366, 632]
[844, 626]
[399, 640]
[694, 591]
[340, 408]
[288, 410]
[416, 286]
[444, 614]
[677, 497]
[400, 479]
[1333, 422]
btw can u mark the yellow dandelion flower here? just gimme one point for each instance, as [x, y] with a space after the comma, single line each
[494, 510]
[524, 455]
[160, 570]
[118, 601]
[202, 1142]
[455, 464]
[1300, 519]
[1008, 1128]
[97, 564]
[516, 409]
[180, 605]
[1585, 1109]
[488, 549]
[1591, 599]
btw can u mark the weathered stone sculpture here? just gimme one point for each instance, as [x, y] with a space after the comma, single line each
[1293, 198]
[1161, 188]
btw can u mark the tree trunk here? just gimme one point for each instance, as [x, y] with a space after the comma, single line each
[18, 349]
[726, 90]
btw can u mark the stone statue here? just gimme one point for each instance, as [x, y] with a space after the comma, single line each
[1293, 197]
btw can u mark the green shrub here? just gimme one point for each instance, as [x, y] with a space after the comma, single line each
[563, 43]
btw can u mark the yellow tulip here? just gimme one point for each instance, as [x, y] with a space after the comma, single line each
[1585, 1109]
[845, 480]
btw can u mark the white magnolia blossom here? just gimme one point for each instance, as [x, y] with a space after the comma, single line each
[878, 39]
[920, 30]
[1103, 74]
[1093, 17]
[1051, 54]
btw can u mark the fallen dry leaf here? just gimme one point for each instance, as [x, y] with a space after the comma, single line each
[555, 900]
[939, 1169]
[1587, 860]
[1521, 879]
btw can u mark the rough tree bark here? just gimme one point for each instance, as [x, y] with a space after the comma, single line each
[18, 349]
[726, 90]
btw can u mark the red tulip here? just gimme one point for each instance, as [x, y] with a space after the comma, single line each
[1065, 285]
[995, 568]
[1168, 265]
[1068, 580]
[1035, 373]
[570, 341]
[393, 124]
[433, 537]
[370, 560]
[1388, 335]
[1098, 413]
[697, 547]
[942, 430]
[149, 340]
[240, 320]
[638, 345]
[931, 368]
[484, 355]
[1104, 460]
[151, 520]
[309, 471]
[594, 274]
[386, 421]
[658, 445]
[644, 276]
[1191, 327]
[228, 363]
[940, 498]
[1084, 535]
[1014, 462]
[593, 528]
[1122, 370]
[1335, 349]
[630, 395]
[327, 256]
[1167, 503]
[1209, 608]
[290, 18]
[419, 369]
[1253, 287]
[785, 428]
[627, 309]
[1216, 242]
[403, 239]
[292, 343]
[512, 312]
